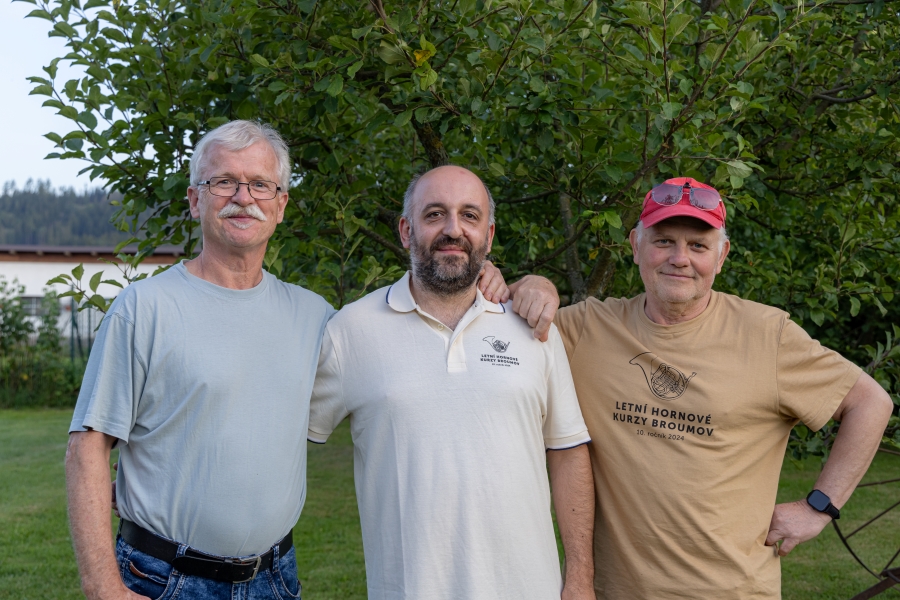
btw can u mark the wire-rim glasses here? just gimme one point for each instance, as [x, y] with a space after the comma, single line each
[260, 189]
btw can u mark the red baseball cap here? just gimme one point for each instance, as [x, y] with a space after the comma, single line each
[654, 212]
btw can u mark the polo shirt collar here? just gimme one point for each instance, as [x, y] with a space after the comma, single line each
[399, 297]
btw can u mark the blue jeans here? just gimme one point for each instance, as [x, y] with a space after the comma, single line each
[157, 579]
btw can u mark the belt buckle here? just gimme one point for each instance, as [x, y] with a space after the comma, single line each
[254, 561]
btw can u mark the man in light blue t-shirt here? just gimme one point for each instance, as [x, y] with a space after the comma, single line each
[202, 376]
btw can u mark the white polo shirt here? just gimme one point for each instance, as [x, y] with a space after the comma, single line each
[449, 431]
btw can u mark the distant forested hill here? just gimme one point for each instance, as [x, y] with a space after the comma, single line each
[40, 214]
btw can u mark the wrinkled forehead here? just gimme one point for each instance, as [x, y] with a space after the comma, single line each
[452, 187]
[258, 158]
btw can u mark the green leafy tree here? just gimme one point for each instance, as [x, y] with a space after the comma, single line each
[569, 109]
[14, 325]
[49, 338]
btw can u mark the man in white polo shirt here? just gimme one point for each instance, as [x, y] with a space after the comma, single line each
[452, 404]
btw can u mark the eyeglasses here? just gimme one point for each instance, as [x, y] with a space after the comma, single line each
[668, 194]
[228, 187]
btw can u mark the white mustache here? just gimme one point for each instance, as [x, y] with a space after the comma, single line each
[236, 210]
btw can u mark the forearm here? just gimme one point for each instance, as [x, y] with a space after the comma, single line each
[573, 498]
[860, 433]
[89, 495]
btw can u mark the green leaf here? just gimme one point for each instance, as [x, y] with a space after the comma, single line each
[738, 168]
[260, 60]
[360, 32]
[614, 219]
[88, 119]
[496, 169]
[536, 42]
[322, 84]
[677, 24]
[817, 315]
[779, 11]
[40, 14]
[354, 68]
[277, 86]
[78, 272]
[403, 118]
[545, 140]
[41, 90]
[95, 281]
[670, 110]
[63, 279]
[428, 80]
[391, 53]
[99, 302]
[172, 180]
[336, 85]
[854, 306]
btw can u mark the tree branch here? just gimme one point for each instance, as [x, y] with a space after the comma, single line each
[399, 252]
[431, 141]
[526, 198]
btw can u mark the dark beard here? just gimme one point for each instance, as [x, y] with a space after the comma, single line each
[451, 276]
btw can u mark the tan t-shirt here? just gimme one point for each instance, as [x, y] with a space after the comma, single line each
[690, 424]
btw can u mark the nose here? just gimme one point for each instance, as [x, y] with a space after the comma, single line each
[452, 227]
[242, 195]
[680, 256]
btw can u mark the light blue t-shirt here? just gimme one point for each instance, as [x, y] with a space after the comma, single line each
[208, 390]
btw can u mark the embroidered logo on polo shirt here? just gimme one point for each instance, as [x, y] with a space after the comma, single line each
[498, 360]
[665, 381]
[498, 345]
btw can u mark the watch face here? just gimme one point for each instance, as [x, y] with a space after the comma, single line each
[818, 500]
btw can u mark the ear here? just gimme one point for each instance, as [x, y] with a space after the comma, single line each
[491, 230]
[282, 200]
[405, 231]
[632, 238]
[726, 247]
[193, 194]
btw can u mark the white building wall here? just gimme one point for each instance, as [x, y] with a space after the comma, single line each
[35, 275]
[81, 329]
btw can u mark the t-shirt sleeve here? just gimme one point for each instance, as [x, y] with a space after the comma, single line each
[563, 425]
[812, 380]
[570, 322]
[113, 380]
[326, 407]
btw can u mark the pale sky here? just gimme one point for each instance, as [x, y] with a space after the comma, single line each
[24, 50]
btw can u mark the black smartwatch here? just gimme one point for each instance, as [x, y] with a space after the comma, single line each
[822, 503]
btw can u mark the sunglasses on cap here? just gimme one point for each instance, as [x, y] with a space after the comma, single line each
[668, 194]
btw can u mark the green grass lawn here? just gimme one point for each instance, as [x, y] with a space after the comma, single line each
[36, 560]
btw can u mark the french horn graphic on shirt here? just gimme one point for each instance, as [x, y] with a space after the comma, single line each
[665, 381]
[497, 345]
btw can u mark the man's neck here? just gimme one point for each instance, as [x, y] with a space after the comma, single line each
[448, 309]
[673, 313]
[233, 271]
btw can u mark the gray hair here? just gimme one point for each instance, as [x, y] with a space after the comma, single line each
[411, 190]
[722, 238]
[234, 137]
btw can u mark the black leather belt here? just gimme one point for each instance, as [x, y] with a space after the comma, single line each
[232, 570]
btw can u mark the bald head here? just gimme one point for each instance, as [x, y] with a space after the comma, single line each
[450, 178]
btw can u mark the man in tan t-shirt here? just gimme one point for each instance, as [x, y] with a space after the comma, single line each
[689, 396]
